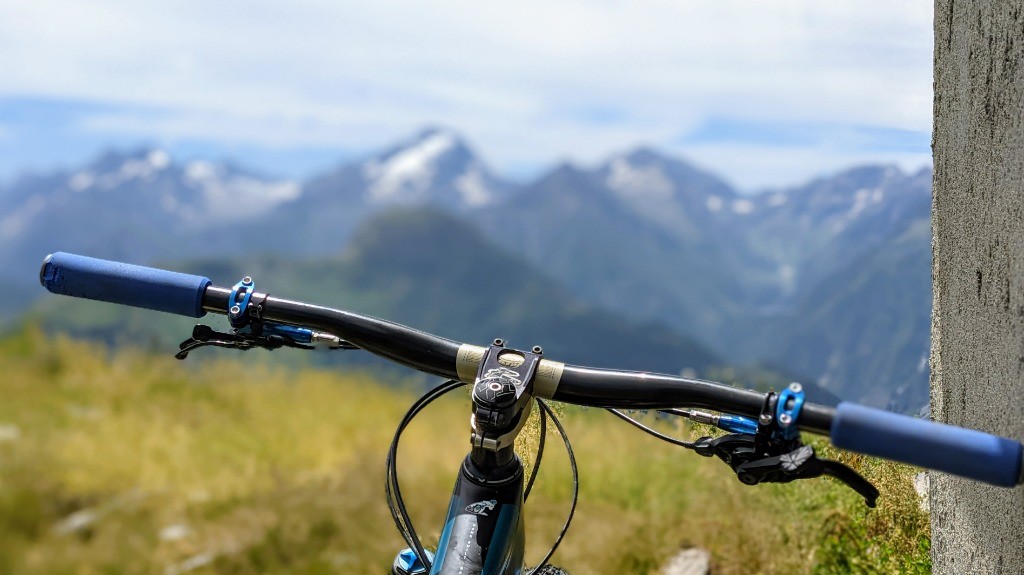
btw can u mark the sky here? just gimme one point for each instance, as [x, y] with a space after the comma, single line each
[765, 94]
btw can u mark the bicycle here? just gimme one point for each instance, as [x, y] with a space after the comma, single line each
[484, 530]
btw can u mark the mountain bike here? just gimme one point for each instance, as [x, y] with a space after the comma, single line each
[484, 530]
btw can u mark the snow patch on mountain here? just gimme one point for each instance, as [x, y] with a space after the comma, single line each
[407, 174]
[200, 171]
[145, 168]
[81, 181]
[641, 182]
[742, 206]
[228, 195]
[243, 196]
[473, 191]
[863, 198]
[158, 159]
[714, 203]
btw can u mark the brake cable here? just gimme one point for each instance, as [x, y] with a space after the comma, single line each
[540, 454]
[650, 431]
[768, 450]
[575, 485]
[394, 495]
[396, 503]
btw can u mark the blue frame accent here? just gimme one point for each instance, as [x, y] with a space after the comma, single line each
[508, 520]
[410, 563]
[442, 545]
[491, 539]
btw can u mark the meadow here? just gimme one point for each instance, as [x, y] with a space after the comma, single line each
[131, 462]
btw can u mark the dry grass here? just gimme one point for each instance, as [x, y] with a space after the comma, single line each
[130, 463]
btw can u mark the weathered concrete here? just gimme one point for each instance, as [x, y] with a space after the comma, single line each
[978, 271]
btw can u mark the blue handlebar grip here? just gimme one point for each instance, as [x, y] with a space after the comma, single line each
[126, 284]
[964, 452]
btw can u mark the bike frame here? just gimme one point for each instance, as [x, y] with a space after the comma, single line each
[484, 530]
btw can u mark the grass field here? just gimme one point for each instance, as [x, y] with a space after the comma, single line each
[128, 462]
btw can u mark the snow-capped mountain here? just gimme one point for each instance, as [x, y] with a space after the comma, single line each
[137, 206]
[643, 234]
[668, 190]
[434, 167]
[230, 193]
[636, 225]
[765, 277]
[811, 231]
[151, 186]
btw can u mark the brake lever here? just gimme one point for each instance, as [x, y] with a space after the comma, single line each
[740, 451]
[204, 335]
[851, 478]
[802, 463]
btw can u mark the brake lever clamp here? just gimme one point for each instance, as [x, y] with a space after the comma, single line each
[775, 454]
[250, 330]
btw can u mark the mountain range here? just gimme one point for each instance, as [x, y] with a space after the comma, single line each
[827, 280]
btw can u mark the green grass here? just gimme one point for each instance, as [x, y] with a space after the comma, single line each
[133, 463]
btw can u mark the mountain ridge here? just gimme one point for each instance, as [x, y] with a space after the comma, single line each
[644, 235]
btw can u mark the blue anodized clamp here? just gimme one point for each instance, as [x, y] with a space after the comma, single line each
[787, 410]
[238, 302]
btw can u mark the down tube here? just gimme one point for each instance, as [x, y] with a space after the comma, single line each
[483, 532]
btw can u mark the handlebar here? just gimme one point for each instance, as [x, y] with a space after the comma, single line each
[126, 284]
[964, 452]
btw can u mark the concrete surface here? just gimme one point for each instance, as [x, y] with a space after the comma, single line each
[978, 271]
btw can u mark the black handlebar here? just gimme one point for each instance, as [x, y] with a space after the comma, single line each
[965, 452]
[568, 383]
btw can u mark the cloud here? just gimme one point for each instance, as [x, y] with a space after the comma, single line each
[529, 81]
[823, 135]
[756, 167]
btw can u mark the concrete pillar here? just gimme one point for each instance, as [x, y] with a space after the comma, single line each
[977, 348]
